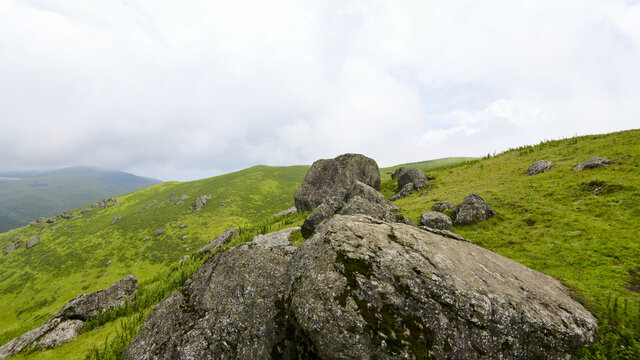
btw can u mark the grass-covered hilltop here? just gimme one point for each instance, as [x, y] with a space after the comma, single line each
[579, 227]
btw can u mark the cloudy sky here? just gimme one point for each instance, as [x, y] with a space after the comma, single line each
[182, 90]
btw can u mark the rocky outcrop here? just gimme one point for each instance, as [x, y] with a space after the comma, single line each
[35, 240]
[116, 219]
[471, 210]
[539, 167]
[405, 191]
[69, 322]
[290, 211]
[436, 220]
[13, 246]
[200, 202]
[182, 199]
[159, 232]
[231, 308]
[220, 240]
[333, 177]
[594, 162]
[362, 288]
[172, 198]
[442, 206]
[90, 305]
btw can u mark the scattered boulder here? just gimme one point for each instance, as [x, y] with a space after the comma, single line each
[471, 210]
[115, 201]
[151, 204]
[35, 240]
[406, 190]
[51, 221]
[145, 239]
[184, 238]
[90, 305]
[594, 162]
[172, 197]
[183, 226]
[362, 288]
[182, 199]
[66, 215]
[436, 220]
[116, 219]
[413, 175]
[287, 212]
[42, 219]
[442, 206]
[69, 322]
[85, 210]
[15, 240]
[231, 308]
[220, 240]
[539, 167]
[333, 177]
[399, 171]
[324, 211]
[51, 334]
[108, 263]
[13, 246]
[201, 201]
[159, 232]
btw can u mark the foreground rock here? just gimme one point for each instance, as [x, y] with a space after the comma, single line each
[471, 210]
[90, 305]
[333, 177]
[231, 308]
[539, 167]
[594, 162]
[436, 220]
[69, 322]
[220, 240]
[320, 214]
[13, 246]
[361, 288]
[35, 240]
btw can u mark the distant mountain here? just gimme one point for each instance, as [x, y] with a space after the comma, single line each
[27, 195]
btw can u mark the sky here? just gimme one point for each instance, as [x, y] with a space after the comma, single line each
[184, 90]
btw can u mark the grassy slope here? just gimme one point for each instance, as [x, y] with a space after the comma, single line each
[385, 173]
[552, 222]
[52, 192]
[38, 281]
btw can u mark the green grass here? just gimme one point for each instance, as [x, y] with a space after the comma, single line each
[35, 283]
[556, 224]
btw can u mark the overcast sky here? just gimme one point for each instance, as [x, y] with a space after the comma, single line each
[182, 90]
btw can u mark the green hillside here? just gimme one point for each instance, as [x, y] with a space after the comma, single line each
[27, 195]
[72, 254]
[385, 173]
[579, 227]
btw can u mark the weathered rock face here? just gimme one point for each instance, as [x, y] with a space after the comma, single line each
[361, 288]
[220, 240]
[90, 305]
[116, 219]
[436, 220]
[13, 246]
[471, 210]
[594, 162]
[539, 167]
[231, 308]
[35, 240]
[442, 206]
[406, 190]
[324, 211]
[182, 199]
[415, 176]
[333, 178]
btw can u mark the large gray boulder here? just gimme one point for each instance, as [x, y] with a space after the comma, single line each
[35, 240]
[90, 305]
[436, 220]
[231, 308]
[361, 288]
[539, 167]
[333, 178]
[594, 162]
[13, 246]
[49, 335]
[220, 240]
[399, 171]
[471, 210]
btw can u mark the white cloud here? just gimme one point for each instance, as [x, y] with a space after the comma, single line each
[186, 90]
